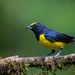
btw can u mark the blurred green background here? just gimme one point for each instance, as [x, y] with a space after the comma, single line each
[15, 15]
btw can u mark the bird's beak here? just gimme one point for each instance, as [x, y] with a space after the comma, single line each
[29, 27]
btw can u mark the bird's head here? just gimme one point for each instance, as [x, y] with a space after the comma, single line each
[36, 27]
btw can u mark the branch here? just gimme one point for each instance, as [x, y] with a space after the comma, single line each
[14, 63]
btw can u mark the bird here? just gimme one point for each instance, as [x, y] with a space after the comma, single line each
[50, 38]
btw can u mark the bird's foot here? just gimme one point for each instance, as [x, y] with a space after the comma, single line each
[57, 54]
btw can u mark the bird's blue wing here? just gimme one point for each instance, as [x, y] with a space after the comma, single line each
[56, 36]
[64, 38]
[51, 36]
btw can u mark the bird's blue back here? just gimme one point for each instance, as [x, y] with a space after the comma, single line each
[52, 35]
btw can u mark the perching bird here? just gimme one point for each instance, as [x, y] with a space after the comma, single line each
[49, 38]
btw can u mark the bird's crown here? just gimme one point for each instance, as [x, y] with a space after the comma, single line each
[33, 23]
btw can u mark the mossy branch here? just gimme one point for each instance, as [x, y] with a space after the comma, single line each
[14, 64]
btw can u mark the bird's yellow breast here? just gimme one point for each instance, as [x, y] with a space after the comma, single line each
[49, 44]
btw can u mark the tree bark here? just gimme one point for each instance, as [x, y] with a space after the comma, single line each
[14, 64]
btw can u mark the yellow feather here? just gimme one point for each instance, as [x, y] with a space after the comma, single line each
[51, 45]
[33, 23]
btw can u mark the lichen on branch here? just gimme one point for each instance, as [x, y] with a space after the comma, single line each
[15, 65]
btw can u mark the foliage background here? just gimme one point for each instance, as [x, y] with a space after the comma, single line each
[15, 15]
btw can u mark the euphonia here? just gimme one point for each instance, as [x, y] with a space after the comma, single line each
[49, 38]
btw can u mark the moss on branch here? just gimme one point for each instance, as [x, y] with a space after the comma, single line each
[15, 65]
